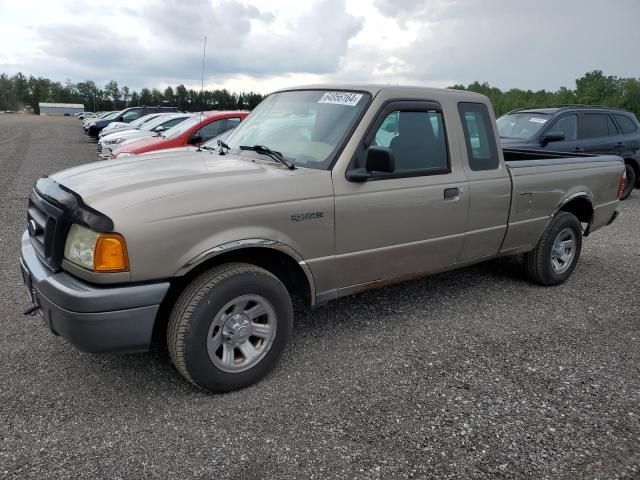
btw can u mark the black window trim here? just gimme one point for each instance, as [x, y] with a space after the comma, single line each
[390, 106]
[490, 133]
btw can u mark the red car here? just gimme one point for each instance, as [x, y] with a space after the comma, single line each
[194, 131]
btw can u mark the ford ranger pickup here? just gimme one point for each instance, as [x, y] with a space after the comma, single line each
[322, 192]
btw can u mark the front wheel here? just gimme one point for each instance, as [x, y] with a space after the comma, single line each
[229, 327]
[557, 252]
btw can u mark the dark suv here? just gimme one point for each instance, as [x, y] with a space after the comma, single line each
[576, 128]
[126, 116]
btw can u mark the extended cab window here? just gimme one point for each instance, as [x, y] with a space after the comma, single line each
[416, 139]
[626, 124]
[567, 125]
[479, 136]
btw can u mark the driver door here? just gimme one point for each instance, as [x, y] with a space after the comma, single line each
[412, 220]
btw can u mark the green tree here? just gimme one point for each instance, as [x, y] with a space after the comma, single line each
[112, 91]
[145, 97]
[168, 95]
[126, 94]
[182, 97]
[135, 99]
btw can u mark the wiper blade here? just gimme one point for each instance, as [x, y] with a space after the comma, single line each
[207, 147]
[270, 153]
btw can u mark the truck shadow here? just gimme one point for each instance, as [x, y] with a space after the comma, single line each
[152, 373]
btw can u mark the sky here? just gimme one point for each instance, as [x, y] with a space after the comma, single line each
[265, 45]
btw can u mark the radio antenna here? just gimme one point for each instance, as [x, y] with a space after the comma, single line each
[204, 53]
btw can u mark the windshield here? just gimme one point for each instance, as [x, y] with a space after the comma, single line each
[521, 125]
[142, 120]
[182, 127]
[306, 126]
[110, 116]
[159, 120]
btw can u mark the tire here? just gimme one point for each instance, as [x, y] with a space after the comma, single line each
[632, 178]
[229, 327]
[545, 266]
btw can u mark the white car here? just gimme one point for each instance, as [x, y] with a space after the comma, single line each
[135, 125]
[91, 120]
[150, 129]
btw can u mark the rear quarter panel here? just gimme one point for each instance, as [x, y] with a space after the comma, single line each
[541, 188]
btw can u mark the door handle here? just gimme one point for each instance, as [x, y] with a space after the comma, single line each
[619, 145]
[578, 150]
[451, 193]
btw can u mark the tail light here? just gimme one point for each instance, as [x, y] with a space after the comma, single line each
[621, 185]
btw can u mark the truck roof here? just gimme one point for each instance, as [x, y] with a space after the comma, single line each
[392, 90]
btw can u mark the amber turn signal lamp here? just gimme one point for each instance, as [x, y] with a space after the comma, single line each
[110, 253]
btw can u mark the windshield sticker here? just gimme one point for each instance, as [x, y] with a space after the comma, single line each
[538, 120]
[341, 98]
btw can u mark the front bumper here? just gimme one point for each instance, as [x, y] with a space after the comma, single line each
[93, 318]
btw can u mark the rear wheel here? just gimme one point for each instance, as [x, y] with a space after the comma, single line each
[557, 252]
[630, 182]
[229, 327]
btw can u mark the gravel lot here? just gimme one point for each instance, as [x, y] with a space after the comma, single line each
[471, 374]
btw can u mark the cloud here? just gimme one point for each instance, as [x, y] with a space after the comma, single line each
[165, 45]
[543, 44]
[264, 45]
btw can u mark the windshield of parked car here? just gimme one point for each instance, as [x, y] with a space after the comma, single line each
[159, 120]
[306, 126]
[521, 125]
[142, 120]
[182, 127]
[111, 116]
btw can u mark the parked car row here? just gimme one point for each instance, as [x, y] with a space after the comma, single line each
[139, 130]
[93, 127]
[577, 128]
[319, 193]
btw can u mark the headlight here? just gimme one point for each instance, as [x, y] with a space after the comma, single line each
[100, 252]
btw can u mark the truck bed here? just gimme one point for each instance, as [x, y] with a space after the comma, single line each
[543, 180]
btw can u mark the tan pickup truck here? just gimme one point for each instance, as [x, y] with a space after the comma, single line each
[321, 192]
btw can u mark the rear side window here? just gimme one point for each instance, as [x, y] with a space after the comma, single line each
[626, 124]
[482, 151]
[594, 125]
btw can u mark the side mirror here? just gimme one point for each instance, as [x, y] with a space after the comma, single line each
[552, 137]
[159, 129]
[379, 159]
[195, 139]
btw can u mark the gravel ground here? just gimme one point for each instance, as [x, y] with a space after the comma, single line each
[470, 374]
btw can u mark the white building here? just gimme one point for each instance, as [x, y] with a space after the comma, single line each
[60, 108]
